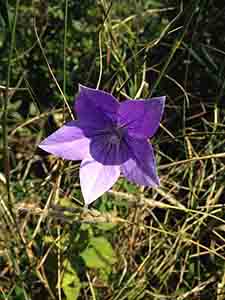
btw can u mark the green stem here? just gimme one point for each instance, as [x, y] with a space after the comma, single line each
[5, 110]
[64, 47]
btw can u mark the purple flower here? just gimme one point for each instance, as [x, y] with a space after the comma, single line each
[109, 138]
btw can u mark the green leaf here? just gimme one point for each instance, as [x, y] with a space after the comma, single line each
[70, 283]
[99, 254]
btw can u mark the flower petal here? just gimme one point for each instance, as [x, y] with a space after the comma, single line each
[96, 178]
[141, 117]
[96, 108]
[141, 167]
[68, 142]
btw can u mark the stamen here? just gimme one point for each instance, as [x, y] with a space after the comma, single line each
[114, 139]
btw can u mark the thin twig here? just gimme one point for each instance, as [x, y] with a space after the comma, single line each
[197, 289]
[185, 161]
[51, 72]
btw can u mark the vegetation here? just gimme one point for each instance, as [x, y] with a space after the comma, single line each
[134, 242]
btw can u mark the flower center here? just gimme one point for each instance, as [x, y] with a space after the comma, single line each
[116, 136]
[114, 139]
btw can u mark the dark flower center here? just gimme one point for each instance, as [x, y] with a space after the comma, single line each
[116, 136]
[109, 147]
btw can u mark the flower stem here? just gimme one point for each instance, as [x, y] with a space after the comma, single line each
[6, 97]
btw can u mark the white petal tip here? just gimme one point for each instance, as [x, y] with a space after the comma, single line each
[88, 201]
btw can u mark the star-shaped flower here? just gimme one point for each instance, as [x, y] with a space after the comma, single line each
[109, 137]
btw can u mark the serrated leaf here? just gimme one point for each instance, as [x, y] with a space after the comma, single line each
[70, 283]
[99, 254]
[92, 259]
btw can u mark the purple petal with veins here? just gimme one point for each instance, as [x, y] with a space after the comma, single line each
[96, 178]
[68, 142]
[141, 117]
[140, 168]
